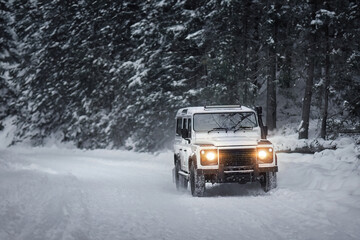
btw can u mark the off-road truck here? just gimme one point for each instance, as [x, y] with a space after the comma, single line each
[222, 144]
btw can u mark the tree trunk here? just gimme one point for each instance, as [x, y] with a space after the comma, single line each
[245, 85]
[255, 57]
[305, 116]
[271, 84]
[271, 96]
[304, 127]
[326, 86]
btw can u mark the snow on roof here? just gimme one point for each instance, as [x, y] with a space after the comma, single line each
[213, 109]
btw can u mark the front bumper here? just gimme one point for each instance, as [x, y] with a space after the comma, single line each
[240, 175]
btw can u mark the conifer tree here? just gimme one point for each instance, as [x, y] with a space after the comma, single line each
[8, 60]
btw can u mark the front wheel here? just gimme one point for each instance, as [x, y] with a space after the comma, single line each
[269, 181]
[197, 182]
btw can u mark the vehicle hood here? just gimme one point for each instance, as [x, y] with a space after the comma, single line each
[219, 139]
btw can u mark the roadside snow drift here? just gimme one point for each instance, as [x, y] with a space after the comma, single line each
[53, 193]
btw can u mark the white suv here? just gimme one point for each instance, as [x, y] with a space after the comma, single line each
[222, 144]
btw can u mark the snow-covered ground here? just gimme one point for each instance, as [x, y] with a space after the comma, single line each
[54, 193]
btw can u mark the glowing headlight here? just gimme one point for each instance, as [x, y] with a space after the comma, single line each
[262, 154]
[210, 156]
[265, 155]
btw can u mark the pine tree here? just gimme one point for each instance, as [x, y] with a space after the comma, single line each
[8, 60]
[113, 74]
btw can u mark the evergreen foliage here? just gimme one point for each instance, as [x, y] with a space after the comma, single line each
[8, 60]
[113, 73]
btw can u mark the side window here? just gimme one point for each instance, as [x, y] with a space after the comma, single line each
[184, 123]
[189, 127]
[178, 126]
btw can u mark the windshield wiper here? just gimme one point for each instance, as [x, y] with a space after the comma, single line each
[242, 127]
[218, 128]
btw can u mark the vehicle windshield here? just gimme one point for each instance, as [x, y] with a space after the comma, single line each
[232, 121]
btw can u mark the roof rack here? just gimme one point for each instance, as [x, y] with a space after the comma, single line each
[222, 106]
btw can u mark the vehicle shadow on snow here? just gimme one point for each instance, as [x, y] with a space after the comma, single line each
[233, 189]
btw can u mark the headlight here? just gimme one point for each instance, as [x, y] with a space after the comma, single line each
[208, 157]
[262, 154]
[265, 155]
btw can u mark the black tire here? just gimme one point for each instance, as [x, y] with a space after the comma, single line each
[180, 181]
[269, 181]
[197, 182]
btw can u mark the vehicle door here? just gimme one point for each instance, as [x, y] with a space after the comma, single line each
[182, 148]
[187, 144]
[178, 138]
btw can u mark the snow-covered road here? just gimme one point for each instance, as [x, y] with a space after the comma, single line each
[51, 193]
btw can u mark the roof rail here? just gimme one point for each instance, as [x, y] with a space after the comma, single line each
[222, 106]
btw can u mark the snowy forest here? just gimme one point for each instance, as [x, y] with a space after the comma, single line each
[111, 74]
[93, 145]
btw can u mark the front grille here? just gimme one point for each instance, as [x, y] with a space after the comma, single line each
[237, 157]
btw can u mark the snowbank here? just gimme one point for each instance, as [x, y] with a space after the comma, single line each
[285, 138]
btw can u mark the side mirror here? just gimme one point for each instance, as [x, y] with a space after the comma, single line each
[184, 133]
